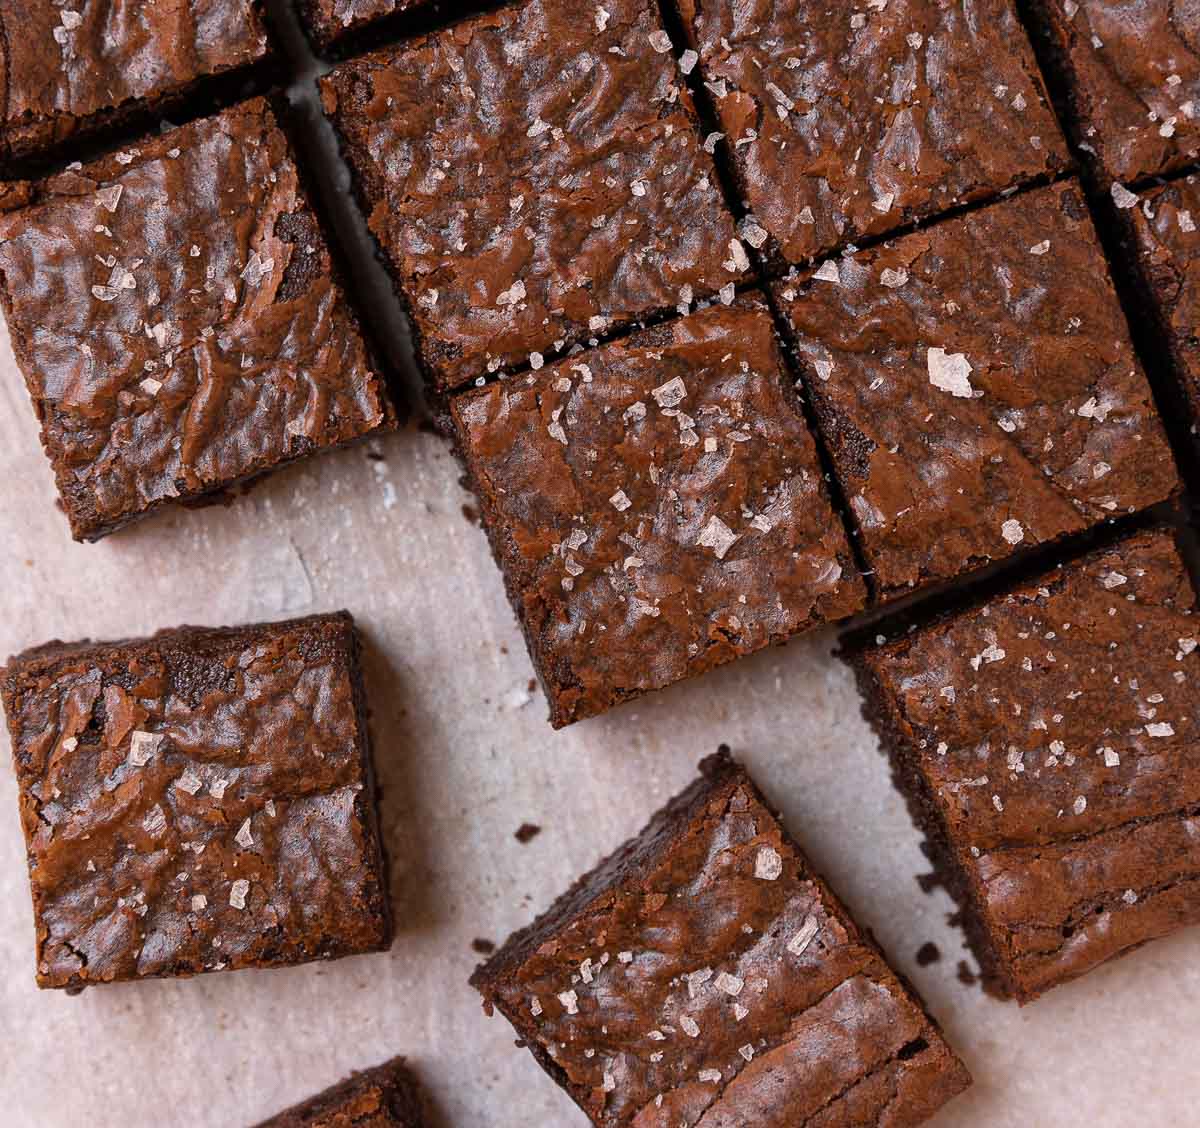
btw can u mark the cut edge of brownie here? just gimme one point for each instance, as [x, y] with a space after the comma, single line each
[899, 745]
[41, 661]
[720, 775]
[85, 527]
[395, 1080]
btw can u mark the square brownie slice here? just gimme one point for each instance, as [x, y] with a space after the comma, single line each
[535, 177]
[705, 975]
[176, 314]
[72, 68]
[849, 121]
[383, 1097]
[198, 800]
[977, 388]
[657, 507]
[1046, 741]
[1130, 81]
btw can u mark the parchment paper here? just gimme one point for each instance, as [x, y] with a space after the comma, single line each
[465, 757]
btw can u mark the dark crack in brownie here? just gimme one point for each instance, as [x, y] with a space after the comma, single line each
[704, 976]
[1046, 741]
[1131, 81]
[383, 1097]
[535, 178]
[977, 388]
[656, 506]
[74, 66]
[198, 800]
[175, 311]
[853, 120]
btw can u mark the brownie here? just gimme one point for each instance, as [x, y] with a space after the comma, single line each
[383, 1097]
[848, 122]
[198, 800]
[176, 315]
[977, 388]
[70, 69]
[705, 975]
[1167, 249]
[1130, 76]
[1046, 740]
[656, 506]
[329, 20]
[535, 178]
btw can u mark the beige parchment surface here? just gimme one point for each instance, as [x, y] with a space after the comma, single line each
[465, 756]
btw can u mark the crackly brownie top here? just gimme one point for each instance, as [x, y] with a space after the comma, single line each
[1134, 80]
[70, 59]
[657, 506]
[332, 18]
[704, 976]
[382, 1097]
[850, 120]
[1057, 729]
[535, 175]
[978, 388]
[1165, 226]
[195, 801]
[175, 315]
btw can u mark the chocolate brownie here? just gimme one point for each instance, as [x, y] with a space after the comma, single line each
[198, 800]
[977, 388]
[1046, 740]
[329, 20]
[535, 178]
[657, 507]
[73, 67]
[705, 975]
[175, 312]
[383, 1097]
[1167, 248]
[850, 121]
[1130, 78]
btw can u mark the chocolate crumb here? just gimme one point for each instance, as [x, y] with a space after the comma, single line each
[966, 975]
[527, 832]
[483, 947]
[928, 953]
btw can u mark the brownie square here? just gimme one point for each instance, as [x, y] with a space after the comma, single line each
[657, 507]
[1167, 248]
[75, 68]
[175, 312]
[1131, 80]
[704, 974]
[383, 1097]
[197, 800]
[977, 388]
[535, 178]
[848, 121]
[1046, 740]
[329, 20]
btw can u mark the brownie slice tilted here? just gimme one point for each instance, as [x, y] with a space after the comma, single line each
[383, 1097]
[703, 975]
[534, 176]
[1047, 743]
[657, 507]
[198, 800]
[977, 388]
[175, 312]
[71, 69]
[844, 121]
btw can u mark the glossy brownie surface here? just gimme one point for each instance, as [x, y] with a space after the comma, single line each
[535, 177]
[657, 507]
[704, 976]
[1048, 739]
[978, 389]
[383, 1097]
[197, 800]
[174, 310]
[60, 64]
[849, 121]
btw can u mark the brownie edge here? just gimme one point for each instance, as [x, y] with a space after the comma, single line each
[383, 1097]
